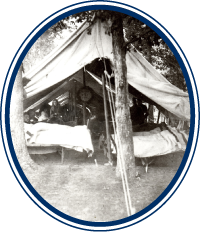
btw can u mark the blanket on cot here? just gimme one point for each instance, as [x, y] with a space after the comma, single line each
[157, 142]
[77, 138]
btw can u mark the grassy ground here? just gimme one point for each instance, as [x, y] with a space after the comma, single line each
[82, 190]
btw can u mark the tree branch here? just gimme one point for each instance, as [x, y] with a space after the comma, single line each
[136, 39]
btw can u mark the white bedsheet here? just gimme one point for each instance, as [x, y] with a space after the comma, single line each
[155, 143]
[77, 138]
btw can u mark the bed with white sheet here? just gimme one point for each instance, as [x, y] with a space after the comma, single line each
[148, 145]
[156, 142]
[43, 138]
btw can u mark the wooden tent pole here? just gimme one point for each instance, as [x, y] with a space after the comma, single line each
[106, 120]
[75, 117]
[84, 104]
[158, 117]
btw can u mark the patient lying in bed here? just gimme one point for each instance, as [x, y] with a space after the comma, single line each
[77, 137]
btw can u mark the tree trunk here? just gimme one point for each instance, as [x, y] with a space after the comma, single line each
[17, 125]
[123, 121]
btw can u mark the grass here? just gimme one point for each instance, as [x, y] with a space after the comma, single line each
[81, 190]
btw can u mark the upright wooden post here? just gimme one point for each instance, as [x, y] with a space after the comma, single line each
[106, 120]
[158, 116]
[84, 104]
[151, 115]
[70, 106]
[75, 117]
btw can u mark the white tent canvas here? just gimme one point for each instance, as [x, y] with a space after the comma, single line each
[91, 42]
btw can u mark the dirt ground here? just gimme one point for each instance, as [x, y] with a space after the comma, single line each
[82, 190]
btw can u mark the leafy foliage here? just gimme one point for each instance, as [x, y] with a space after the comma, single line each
[67, 23]
[139, 34]
[103, 15]
[164, 60]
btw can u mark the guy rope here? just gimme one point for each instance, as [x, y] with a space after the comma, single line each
[119, 151]
[130, 209]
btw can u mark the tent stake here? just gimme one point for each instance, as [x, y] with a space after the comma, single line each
[106, 120]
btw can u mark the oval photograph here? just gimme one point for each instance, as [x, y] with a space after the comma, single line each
[99, 115]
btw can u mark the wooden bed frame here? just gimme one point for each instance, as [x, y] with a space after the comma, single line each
[45, 149]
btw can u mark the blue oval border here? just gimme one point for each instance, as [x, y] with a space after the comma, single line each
[7, 109]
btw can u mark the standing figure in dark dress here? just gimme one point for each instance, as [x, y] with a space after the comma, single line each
[137, 115]
[144, 109]
[55, 108]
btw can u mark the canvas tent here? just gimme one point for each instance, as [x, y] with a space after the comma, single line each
[88, 43]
